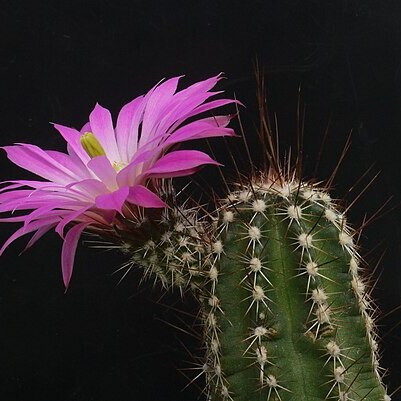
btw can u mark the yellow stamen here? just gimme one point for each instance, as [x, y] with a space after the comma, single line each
[118, 166]
[91, 145]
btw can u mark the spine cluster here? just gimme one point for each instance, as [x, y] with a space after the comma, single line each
[285, 309]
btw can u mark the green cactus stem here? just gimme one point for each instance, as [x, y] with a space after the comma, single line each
[284, 307]
[294, 320]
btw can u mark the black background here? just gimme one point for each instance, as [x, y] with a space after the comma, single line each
[102, 341]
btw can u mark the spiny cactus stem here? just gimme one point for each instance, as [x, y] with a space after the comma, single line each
[289, 311]
[235, 321]
[293, 322]
[285, 313]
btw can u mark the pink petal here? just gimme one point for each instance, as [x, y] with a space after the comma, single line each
[201, 109]
[86, 128]
[187, 135]
[16, 194]
[198, 88]
[72, 136]
[71, 216]
[36, 225]
[107, 215]
[40, 212]
[32, 184]
[133, 139]
[178, 163]
[12, 185]
[10, 200]
[72, 163]
[88, 189]
[68, 251]
[16, 219]
[127, 128]
[129, 174]
[101, 166]
[34, 198]
[156, 106]
[38, 235]
[185, 101]
[114, 200]
[142, 196]
[102, 127]
[206, 128]
[180, 173]
[36, 160]
[214, 104]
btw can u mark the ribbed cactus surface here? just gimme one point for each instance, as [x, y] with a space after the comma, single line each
[284, 308]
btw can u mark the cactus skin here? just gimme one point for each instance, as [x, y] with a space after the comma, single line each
[284, 309]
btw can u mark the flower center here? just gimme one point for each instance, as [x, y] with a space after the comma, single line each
[91, 145]
[119, 165]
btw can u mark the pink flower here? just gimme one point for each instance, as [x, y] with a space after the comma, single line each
[108, 169]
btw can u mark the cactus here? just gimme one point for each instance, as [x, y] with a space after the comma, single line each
[284, 308]
[285, 312]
